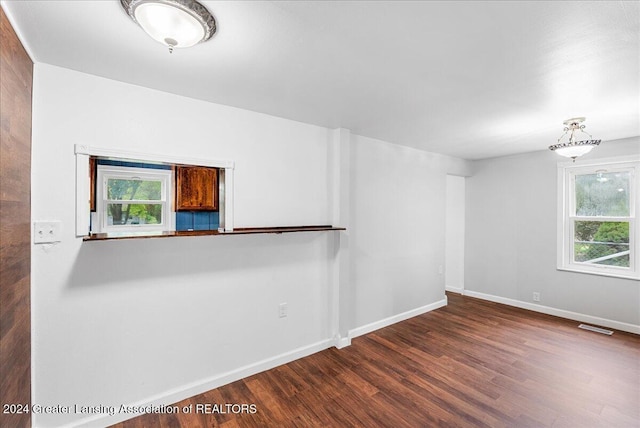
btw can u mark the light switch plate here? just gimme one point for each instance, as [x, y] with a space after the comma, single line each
[47, 232]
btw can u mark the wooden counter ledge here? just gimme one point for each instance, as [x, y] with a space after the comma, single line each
[238, 231]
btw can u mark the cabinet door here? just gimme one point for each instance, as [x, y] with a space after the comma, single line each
[92, 180]
[196, 188]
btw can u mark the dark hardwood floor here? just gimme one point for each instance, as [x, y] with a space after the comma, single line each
[473, 363]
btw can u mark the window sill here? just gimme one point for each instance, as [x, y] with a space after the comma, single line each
[630, 276]
[238, 231]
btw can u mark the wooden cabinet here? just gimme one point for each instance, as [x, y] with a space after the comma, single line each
[92, 180]
[196, 188]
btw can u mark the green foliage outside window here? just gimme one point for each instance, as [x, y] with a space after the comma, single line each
[603, 194]
[596, 239]
[134, 190]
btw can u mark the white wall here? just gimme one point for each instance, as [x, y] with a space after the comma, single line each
[128, 321]
[454, 234]
[510, 247]
[397, 233]
[158, 320]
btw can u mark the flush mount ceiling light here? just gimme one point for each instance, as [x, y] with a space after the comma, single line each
[572, 148]
[174, 23]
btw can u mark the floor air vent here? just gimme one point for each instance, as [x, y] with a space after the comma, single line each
[596, 329]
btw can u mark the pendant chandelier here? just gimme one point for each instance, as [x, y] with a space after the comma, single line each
[174, 23]
[572, 147]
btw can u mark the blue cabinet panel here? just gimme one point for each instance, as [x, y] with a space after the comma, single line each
[200, 220]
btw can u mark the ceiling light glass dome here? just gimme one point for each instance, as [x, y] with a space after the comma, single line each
[572, 148]
[174, 23]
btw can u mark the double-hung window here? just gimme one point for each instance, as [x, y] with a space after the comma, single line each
[597, 220]
[132, 199]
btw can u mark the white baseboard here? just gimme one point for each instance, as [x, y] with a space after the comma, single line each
[195, 388]
[189, 390]
[342, 342]
[368, 328]
[458, 290]
[604, 322]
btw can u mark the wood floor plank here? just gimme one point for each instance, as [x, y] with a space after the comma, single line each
[470, 364]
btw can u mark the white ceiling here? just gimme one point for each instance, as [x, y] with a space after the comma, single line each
[468, 79]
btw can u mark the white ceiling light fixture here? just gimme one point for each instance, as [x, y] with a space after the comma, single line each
[174, 23]
[572, 148]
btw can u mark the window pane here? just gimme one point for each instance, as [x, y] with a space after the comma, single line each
[133, 214]
[127, 190]
[602, 243]
[603, 194]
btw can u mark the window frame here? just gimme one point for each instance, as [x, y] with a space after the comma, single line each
[106, 172]
[83, 152]
[567, 217]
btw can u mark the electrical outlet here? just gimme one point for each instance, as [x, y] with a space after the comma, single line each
[536, 296]
[46, 232]
[282, 310]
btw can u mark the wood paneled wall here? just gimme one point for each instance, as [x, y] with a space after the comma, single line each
[16, 77]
